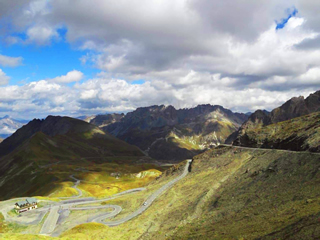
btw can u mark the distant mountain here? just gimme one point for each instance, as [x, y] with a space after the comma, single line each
[295, 107]
[55, 139]
[9, 125]
[165, 133]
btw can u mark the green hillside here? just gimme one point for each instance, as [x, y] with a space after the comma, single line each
[26, 170]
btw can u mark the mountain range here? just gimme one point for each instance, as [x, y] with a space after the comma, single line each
[165, 133]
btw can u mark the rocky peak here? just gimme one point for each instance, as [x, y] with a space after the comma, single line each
[313, 102]
[258, 119]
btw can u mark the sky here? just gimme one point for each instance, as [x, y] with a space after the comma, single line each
[82, 57]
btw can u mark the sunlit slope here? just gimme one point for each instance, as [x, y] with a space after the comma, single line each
[300, 134]
[231, 194]
[24, 171]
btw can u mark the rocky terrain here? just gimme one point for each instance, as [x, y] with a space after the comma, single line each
[297, 134]
[9, 125]
[165, 133]
[293, 108]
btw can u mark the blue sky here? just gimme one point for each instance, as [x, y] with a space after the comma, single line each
[292, 12]
[240, 55]
[43, 62]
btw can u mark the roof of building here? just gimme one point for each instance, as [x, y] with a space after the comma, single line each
[28, 200]
[31, 200]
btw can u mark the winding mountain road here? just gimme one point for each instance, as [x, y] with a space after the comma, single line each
[149, 200]
[52, 219]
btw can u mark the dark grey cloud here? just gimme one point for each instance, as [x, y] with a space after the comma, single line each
[309, 44]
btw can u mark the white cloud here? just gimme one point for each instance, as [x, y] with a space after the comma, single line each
[4, 79]
[72, 76]
[7, 61]
[41, 35]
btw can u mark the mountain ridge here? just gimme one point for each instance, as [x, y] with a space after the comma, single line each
[180, 133]
[290, 126]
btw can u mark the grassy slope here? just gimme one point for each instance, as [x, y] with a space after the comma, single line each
[300, 134]
[28, 169]
[231, 193]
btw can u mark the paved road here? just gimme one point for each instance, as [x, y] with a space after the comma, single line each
[149, 200]
[267, 149]
[51, 221]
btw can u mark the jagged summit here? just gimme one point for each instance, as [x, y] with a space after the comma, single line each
[294, 108]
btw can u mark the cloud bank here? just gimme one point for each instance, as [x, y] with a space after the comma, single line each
[187, 52]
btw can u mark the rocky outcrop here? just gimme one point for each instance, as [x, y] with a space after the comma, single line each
[295, 107]
[297, 134]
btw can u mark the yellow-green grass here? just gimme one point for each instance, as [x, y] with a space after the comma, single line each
[101, 184]
[87, 231]
[64, 189]
[13, 213]
[23, 237]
